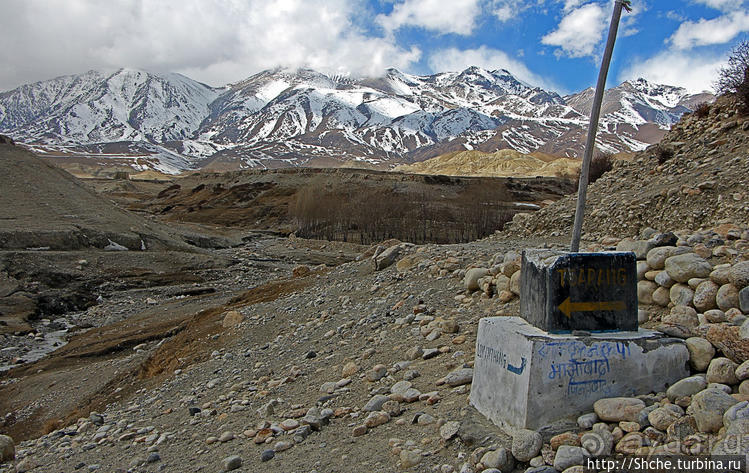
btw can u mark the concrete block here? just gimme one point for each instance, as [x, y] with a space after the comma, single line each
[561, 291]
[526, 378]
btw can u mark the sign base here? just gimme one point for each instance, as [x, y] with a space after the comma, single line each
[524, 377]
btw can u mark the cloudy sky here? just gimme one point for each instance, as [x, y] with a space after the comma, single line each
[552, 43]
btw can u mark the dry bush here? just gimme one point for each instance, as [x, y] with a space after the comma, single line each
[51, 425]
[663, 154]
[600, 165]
[734, 76]
[702, 110]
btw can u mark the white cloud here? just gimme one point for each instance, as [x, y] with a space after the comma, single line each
[724, 5]
[214, 41]
[453, 59]
[695, 73]
[506, 10]
[704, 32]
[580, 31]
[505, 13]
[455, 16]
[675, 16]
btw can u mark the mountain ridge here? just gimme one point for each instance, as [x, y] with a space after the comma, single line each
[281, 117]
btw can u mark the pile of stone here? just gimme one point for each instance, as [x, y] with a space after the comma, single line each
[703, 278]
[502, 278]
[682, 274]
[704, 414]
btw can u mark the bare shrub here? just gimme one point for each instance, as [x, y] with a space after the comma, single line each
[600, 165]
[663, 154]
[51, 425]
[734, 76]
[702, 110]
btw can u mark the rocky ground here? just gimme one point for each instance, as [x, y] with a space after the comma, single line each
[697, 177]
[367, 364]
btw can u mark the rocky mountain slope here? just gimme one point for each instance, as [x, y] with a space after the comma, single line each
[696, 177]
[282, 118]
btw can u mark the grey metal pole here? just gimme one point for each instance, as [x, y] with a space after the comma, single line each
[595, 114]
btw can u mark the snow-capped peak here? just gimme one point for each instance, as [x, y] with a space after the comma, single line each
[295, 115]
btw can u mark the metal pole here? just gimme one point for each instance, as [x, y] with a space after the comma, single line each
[595, 114]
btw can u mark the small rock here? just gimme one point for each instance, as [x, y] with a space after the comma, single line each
[736, 412]
[430, 353]
[7, 449]
[566, 438]
[708, 407]
[701, 352]
[739, 275]
[618, 408]
[742, 371]
[410, 458]
[267, 455]
[598, 443]
[568, 456]
[684, 267]
[393, 408]
[376, 373]
[744, 300]
[471, 279]
[681, 295]
[645, 290]
[686, 387]
[449, 429]
[400, 387]
[664, 280]
[682, 315]
[727, 297]
[289, 424]
[662, 297]
[375, 419]
[349, 369]
[682, 428]
[375, 403]
[722, 370]
[499, 458]
[586, 421]
[426, 419]
[458, 377]
[662, 417]
[282, 446]
[705, 296]
[630, 443]
[630, 426]
[232, 463]
[232, 318]
[526, 444]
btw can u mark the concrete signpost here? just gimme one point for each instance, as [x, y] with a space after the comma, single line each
[578, 339]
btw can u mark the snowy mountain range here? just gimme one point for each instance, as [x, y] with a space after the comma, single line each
[277, 118]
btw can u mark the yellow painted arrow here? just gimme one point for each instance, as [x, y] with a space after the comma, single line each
[568, 307]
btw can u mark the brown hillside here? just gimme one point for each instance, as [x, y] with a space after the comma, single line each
[696, 177]
[503, 163]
